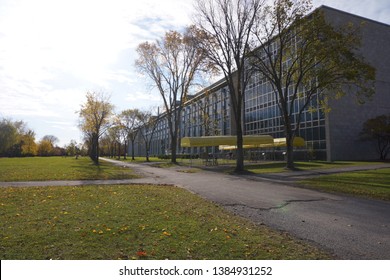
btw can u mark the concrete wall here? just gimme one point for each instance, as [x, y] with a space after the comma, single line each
[345, 121]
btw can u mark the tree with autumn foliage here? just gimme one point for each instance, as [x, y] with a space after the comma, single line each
[306, 60]
[95, 119]
[16, 139]
[172, 63]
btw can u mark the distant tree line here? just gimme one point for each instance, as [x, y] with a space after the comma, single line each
[18, 140]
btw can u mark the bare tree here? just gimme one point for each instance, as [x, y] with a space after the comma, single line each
[172, 64]
[147, 126]
[115, 133]
[227, 29]
[129, 119]
[306, 60]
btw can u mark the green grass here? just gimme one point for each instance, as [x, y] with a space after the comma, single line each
[132, 222]
[59, 168]
[277, 167]
[369, 183]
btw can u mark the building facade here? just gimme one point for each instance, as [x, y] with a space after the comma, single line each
[329, 136]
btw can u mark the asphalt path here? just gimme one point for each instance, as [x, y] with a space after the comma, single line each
[347, 227]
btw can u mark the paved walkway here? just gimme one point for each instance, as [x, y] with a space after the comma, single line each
[350, 228]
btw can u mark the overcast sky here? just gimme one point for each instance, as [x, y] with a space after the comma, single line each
[53, 51]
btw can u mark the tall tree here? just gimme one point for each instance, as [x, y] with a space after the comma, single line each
[147, 126]
[108, 143]
[227, 27]
[72, 149]
[16, 139]
[172, 63]
[95, 119]
[306, 59]
[117, 133]
[8, 136]
[45, 148]
[28, 145]
[130, 122]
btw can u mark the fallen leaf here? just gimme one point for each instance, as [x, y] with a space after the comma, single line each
[141, 253]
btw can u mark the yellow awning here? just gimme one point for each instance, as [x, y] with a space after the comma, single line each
[281, 142]
[212, 141]
[277, 142]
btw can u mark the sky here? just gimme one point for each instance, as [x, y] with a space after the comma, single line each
[54, 51]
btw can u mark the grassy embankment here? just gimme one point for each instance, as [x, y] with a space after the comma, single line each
[369, 183]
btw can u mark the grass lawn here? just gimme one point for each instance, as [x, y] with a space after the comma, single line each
[369, 183]
[59, 168]
[132, 222]
[277, 167]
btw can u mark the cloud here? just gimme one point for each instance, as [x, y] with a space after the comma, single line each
[143, 100]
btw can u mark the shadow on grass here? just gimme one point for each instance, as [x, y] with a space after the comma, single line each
[103, 171]
[276, 167]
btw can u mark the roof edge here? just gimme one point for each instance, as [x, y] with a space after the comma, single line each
[351, 14]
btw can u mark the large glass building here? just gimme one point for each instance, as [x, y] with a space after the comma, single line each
[328, 136]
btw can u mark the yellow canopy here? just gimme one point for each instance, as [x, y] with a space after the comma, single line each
[212, 141]
[281, 142]
[277, 142]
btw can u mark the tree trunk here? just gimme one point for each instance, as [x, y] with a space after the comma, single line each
[240, 141]
[93, 150]
[173, 149]
[97, 150]
[132, 149]
[147, 152]
[290, 134]
[119, 150]
[290, 156]
[290, 151]
[94, 153]
[240, 150]
[125, 151]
